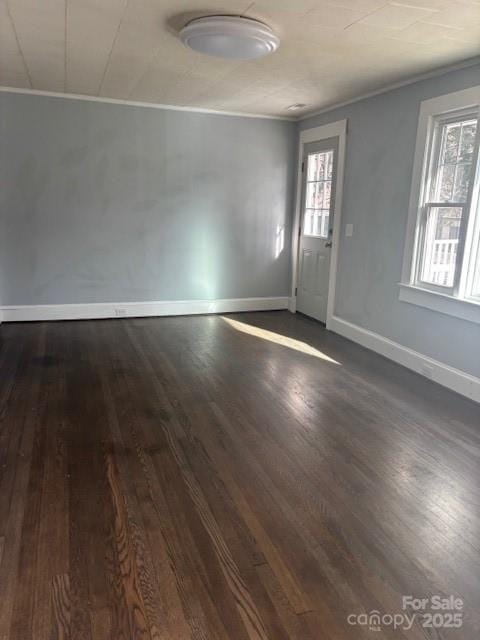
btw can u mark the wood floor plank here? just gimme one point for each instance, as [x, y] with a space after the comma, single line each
[52, 544]
[21, 525]
[148, 573]
[245, 478]
[180, 599]
[247, 609]
[61, 619]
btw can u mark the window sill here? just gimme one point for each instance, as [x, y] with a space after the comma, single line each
[463, 309]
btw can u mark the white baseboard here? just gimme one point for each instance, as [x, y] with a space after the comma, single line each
[90, 311]
[463, 383]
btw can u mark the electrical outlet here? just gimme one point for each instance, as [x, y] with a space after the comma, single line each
[120, 313]
[349, 230]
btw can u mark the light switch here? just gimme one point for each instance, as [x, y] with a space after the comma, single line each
[349, 230]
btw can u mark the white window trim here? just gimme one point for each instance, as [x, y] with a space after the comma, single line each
[441, 302]
[410, 292]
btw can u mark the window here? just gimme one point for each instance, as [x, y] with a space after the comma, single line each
[443, 246]
[318, 194]
[446, 209]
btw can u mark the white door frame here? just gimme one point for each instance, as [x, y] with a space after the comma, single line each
[317, 134]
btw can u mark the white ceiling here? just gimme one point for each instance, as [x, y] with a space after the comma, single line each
[331, 51]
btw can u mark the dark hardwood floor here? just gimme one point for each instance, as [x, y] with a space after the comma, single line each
[246, 477]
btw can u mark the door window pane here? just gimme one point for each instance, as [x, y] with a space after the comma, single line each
[327, 190]
[318, 194]
[308, 229]
[329, 165]
[315, 195]
[440, 245]
[316, 167]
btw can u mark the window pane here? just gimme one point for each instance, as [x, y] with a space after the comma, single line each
[315, 195]
[321, 223]
[446, 179]
[327, 190]
[318, 194]
[467, 142]
[462, 177]
[440, 245]
[308, 229]
[329, 165]
[320, 166]
[316, 166]
[323, 226]
[457, 141]
[451, 141]
[316, 222]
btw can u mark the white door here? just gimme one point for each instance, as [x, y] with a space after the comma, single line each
[316, 226]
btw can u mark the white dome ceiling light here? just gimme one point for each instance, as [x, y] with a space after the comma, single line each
[229, 37]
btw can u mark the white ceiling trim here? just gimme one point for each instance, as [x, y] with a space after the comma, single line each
[396, 85]
[240, 114]
[148, 105]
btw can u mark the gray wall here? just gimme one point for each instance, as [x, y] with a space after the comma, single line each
[378, 171]
[105, 203]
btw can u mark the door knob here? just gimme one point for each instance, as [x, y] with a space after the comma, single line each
[328, 244]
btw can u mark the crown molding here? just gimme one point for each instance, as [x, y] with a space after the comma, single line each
[470, 62]
[147, 105]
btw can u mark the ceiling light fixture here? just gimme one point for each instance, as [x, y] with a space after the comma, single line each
[229, 37]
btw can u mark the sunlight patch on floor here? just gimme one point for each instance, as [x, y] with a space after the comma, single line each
[277, 338]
